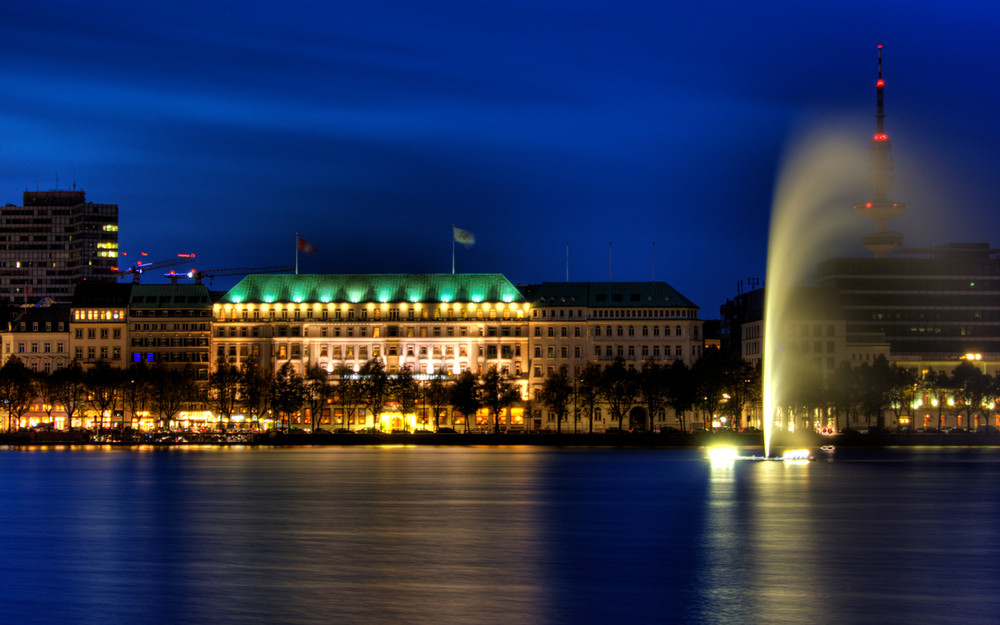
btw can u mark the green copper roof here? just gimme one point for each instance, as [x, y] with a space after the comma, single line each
[355, 288]
[170, 296]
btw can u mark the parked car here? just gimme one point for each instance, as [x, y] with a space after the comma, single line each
[446, 431]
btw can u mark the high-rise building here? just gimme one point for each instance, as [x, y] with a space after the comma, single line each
[53, 242]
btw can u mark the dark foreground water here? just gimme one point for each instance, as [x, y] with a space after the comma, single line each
[488, 535]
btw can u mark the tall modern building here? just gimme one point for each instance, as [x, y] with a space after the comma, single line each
[52, 243]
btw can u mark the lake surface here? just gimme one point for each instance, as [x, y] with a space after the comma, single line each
[497, 535]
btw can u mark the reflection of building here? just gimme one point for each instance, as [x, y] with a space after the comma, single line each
[53, 242]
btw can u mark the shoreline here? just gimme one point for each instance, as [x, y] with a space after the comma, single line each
[627, 440]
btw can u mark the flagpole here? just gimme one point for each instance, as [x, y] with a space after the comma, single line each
[567, 261]
[296, 253]
[452, 248]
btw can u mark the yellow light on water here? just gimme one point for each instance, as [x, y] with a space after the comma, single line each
[722, 454]
[795, 454]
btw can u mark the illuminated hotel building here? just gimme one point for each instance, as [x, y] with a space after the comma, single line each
[426, 322]
[52, 243]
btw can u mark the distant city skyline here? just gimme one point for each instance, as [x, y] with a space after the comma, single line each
[370, 130]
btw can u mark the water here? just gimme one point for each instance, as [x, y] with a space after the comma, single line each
[496, 535]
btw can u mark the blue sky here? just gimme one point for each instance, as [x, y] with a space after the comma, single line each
[222, 128]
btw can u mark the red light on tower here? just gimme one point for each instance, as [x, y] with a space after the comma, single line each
[880, 83]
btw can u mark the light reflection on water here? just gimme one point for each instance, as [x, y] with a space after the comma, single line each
[487, 535]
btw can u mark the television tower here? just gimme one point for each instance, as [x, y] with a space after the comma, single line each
[880, 208]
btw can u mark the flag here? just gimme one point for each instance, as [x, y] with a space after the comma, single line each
[306, 247]
[464, 237]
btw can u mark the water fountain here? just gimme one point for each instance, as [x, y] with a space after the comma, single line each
[810, 213]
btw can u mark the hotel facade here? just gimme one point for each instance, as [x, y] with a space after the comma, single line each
[427, 323]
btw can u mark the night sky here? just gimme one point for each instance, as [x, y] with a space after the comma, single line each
[223, 128]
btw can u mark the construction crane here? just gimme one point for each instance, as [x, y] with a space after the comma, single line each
[136, 269]
[198, 274]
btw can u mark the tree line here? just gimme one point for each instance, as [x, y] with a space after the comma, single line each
[716, 386]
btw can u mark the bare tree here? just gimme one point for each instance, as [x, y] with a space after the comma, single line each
[556, 393]
[317, 391]
[223, 389]
[289, 392]
[70, 390]
[103, 383]
[438, 394]
[496, 392]
[375, 387]
[17, 389]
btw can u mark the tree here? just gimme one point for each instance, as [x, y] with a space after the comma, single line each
[588, 390]
[438, 394]
[874, 384]
[47, 392]
[709, 374]
[619, 388]
[742, 382]
[138, 390]
[375, 387]
[653, 388]
[971, 386]
[317, 391]
[405, 391]
[496, 393]
[349, 393]
[70, 391]
[223, 389]
[939, 385]
[288, 392]
[465, 396]
[255, 388]
[902, 387]
[17, 389]
[681, 390]
[556, 393]
[103, 383]
[171, 390]
[842, 390]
